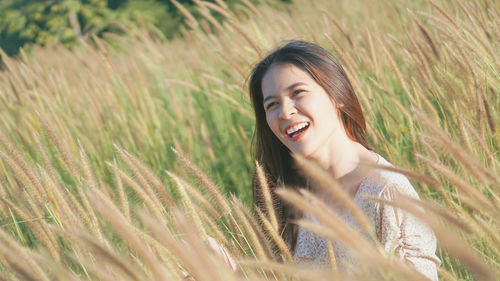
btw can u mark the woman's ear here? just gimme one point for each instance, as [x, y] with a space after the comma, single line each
[339, 106]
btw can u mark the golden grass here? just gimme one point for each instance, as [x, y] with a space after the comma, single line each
[87, 134]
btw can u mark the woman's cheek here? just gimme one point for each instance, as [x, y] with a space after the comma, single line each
[272, 122]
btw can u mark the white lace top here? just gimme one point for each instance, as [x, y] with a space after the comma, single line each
[396, 230]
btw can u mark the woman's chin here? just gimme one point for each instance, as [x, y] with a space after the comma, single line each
[301, 150]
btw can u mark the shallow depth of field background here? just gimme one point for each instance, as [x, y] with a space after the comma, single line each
[91, 186]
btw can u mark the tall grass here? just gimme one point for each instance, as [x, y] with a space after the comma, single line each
[90, 188]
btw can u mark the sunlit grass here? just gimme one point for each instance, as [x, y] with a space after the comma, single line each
[88, 176]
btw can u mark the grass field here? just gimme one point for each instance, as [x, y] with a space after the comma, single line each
[119, 157]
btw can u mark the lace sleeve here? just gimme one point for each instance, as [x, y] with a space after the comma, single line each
[406, 236]
[311, 249]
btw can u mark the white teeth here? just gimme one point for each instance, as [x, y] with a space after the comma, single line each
[296, 128]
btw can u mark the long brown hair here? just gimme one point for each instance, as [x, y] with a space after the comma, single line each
[268, 149]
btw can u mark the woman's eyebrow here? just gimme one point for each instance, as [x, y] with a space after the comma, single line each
[287, 89]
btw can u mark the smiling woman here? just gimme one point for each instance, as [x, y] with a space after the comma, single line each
[305, 104]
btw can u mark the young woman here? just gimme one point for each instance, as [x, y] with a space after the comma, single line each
[305, 104]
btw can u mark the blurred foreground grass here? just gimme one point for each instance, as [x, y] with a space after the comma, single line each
[86, 137]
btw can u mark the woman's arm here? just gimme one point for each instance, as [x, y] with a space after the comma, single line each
[403, 234]
[223, 253]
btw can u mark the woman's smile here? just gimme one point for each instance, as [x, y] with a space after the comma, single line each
[296, 130]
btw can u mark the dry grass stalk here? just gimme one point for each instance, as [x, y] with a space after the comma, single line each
[374, 58]
[252, 7]
[24, 180]
[45, 158]
[164, 255]
[350, 64]
[87, 167]
[24, 166]
[394, 100]
[107, 208]
[368, 257]
[445, 275]
[339, 25]
[57, 206]
[8, 273]
[192, 254]
[192, 22]
[233, 64]
[492, 161]
[312, 274]
[409, 173]
[489, 117]
[215, 230]
[207, 142]
[447, 238]
[121, 192]
[276, 237]
[61, 147]
[427, 37]
[463, 50]
[96, 271]
[94, 225]
[198, 196]
[395, 67]
[188, 204]
[236, 231]
[206, 14]
[54, 248]
[328, 184]
[470, 162]
[468, 189]
[37, 229]
[333, 227]
[11, 66]
[223, 11]
[108, 257]
[3, 194]
[204, 180]
[67, 217]
[265, 192]
[138, 175]
[338, 229]
[460, 202]
[152, 179]
[420, 57]
[155, 209]
[331, 253]
[91, 183]
[237, 104]
[255, 243]
[79, 209]
[17, 265]
[20, 259]
[488, 228]
[443, 12]
[421, 94]
[428, 147]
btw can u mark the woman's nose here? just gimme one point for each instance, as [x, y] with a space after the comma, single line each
[287, 109]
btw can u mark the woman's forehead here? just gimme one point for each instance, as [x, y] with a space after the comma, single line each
[281, 77]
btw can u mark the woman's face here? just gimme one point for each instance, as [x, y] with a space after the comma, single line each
[298, 110]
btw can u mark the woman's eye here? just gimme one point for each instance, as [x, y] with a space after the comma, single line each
[270, 105]
[296, 92]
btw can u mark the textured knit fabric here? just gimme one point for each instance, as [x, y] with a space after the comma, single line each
[397, 231]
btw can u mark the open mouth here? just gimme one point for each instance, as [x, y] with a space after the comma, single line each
[296, 130]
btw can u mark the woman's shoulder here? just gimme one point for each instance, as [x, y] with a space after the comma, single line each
[384, 183]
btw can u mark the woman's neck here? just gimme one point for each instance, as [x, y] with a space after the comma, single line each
[341, 158]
